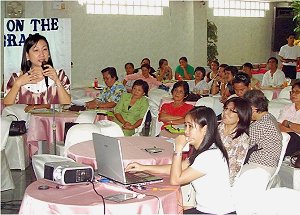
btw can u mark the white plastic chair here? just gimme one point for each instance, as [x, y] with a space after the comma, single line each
[268, 94]
[285, 93]
[76, 134]
[274, 180]
[16, 151]
[7, 182]
[212, 102]
[279, 201]
[109, 128]
[275, 107]
[86, 117]
[138, 130]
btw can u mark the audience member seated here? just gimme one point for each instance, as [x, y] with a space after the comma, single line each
[146, 61]
[230, 72]
[264, 132]
[111, 94]
[220, 81]
[274, 77]
[289, 120]
[241, 84]
[164, 72]
[199, 85]
[206, 168]
[184, 71]
[129, 68]
[234, 131]
[144, 74]
[247, 68]
[130, 110]
[211, 76]
[173, 113]
[38, 83]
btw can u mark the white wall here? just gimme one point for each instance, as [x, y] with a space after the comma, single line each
[243, 40]
[99, 41]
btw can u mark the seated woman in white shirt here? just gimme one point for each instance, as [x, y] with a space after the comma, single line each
[199, 85]
[274, 77]
[206, 168]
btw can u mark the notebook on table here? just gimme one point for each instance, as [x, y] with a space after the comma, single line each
[110, 162]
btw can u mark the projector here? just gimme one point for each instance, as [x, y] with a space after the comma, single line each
[68, 172]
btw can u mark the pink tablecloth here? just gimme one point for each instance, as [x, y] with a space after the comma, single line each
[82, 199]
[132, 149]
[40, 128]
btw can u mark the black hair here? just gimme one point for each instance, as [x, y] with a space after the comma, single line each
[233, 69]
[241, 77]
[257, 99]
[273, 58]
[147, 66]
[223, 65]
[185, 86]
[249, 65]
[216, 62]
[290, 34]
[161, 62]
[202, 70]
[183, 58]
[202, 116]
[30, 41]
[111, 71]
[244, 112]
[296, 84]
[143, 84]
[146, 59]
[131, 64]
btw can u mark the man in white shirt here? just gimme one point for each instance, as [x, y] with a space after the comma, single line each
[274, 77]
[289, 54]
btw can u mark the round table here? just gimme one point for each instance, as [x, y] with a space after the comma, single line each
[41, 128]
[133, 149]
[161, 198]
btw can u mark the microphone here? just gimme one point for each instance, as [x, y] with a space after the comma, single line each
[46, 77]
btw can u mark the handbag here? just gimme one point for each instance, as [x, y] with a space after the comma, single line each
[17, 127]
[295, 159]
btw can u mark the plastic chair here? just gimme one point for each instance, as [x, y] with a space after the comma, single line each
[16, 151]
[285, 93]
[279, 201]
[138, 130]
[212, 102]
[7, 182]
[76, 134]
[86, 117]
[109, 128]
[268, 94]
[274, 178]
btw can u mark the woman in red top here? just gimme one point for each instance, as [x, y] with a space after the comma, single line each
[174, 112]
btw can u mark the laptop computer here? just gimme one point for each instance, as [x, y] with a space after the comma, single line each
[110, 162]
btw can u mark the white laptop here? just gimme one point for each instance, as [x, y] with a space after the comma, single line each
[110, 162]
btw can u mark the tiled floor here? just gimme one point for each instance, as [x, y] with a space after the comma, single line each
[14, 197]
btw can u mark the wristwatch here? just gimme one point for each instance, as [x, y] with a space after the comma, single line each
[288, 124]
[177, 153]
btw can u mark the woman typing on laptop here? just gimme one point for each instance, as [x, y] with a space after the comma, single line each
[206, 168]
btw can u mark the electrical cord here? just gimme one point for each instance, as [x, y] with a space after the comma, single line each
[99, 195]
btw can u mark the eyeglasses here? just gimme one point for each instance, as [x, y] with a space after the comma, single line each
[230, 110]
[295, 92]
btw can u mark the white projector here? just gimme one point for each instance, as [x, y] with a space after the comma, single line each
[68, 172]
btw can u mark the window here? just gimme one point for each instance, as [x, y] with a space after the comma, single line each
[238, 8]
[125, 7]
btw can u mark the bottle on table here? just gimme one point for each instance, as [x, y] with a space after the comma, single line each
[96, 83]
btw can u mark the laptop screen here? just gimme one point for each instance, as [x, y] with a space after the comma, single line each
[109, 157]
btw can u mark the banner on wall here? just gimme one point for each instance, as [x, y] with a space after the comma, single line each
[56, 30]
